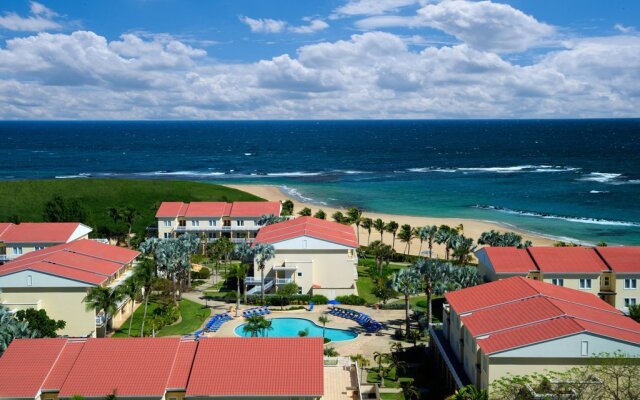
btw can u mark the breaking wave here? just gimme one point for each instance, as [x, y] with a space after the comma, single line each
[582, 220]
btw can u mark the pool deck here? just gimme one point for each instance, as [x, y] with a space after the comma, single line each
[365, 344]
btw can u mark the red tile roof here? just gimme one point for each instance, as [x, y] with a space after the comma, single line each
[517, 311]
[181, 369]
[505, 260]
[308, 226]
[218, 209]
[82, 260]
[4, 226]
[25, 364]
[622, 260]
[258, 367]
[255, 208]
[129, 366]
[148, 367]
[39, 232]
[567, 260]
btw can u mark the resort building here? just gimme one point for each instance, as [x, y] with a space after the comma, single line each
[19, 239]
[318, 255]
[238, 220]
[58, 278]
[611, 273]
[172, 369]
[522, 326]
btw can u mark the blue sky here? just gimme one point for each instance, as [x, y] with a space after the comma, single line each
[277, 59]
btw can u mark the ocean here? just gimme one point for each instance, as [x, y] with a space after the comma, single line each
[577, 179]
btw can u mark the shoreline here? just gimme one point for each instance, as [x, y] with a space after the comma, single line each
[471, 227]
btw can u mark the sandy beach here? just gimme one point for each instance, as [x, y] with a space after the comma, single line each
[472, 228]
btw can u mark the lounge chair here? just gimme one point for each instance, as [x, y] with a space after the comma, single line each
[311, 304]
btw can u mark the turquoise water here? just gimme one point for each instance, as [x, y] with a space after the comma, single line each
[289, 327]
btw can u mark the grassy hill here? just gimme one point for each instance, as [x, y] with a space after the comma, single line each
[26, 199]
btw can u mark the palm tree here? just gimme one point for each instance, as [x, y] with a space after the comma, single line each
[380, 358]
[406, 235]
[407, 282]
[145, 275]
[239, 271]
[244, 252]
[127, 215]
[262, 253]
[323, 319]
[395, 347]
[445, 235]
[255, 325]
[269, 219]
[226, 249]
[462, 249]
[355, 217]
[398, 365]
[379, 226]
[11, 328]
[382, 253]
[409, 391]
[339, 217]
[432, 230]
[434, 274]
[104, 299]
[131, 288]
[363, 362]
[422, 233]
[287, 207]
[392, 228]
[367, 224]
[305, 212]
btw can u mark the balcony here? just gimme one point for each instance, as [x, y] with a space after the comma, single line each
[217, 228]
[284, 281]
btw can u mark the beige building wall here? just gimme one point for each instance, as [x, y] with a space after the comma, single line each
[630, 293]
[527, 366]
[162, 228]
[60, 303]
[573, 281]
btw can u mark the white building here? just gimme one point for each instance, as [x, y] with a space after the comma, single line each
[318, 255]
[237, 221]
[19, 239]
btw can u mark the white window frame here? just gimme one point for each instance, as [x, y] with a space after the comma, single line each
[630, 301]
[557, 281]
[584, 348]
[29, 280]
[17, 251]
[195, 223]
[212, 222]
[167, 224]
[585, 283]
[167, 235]
[630, 283]
[239, 222]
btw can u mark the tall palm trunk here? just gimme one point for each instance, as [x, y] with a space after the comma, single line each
[429, 308]
[144, 316]
[133, 306]
[430, 248]
[238, 293]
[394, 241]
[420, 249]
[406, 313]
[262, 283]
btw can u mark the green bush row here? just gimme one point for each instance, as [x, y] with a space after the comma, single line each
[351, 300]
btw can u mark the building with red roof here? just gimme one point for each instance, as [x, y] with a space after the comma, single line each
[23, 238]
[318, 255]
[521, 326]
[611, 273]
[237, 221]
[164, 368]
[57, 279]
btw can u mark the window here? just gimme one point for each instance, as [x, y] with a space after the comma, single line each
[558, 281]
[29, 280]
[212, 235]
[585, 283]
[606, 281]
[195, 223]
[299, 273]
[240, 222]
[629, 301]
[584, 350]
[299, 290]
[167, 235]
[17, 250]
[39, 247]
[167, 223]
[212, 222]
[630, 283]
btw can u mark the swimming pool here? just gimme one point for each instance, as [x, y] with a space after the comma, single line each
[289, 327]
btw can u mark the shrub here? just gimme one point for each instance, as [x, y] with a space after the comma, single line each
[422, 304]
[319, 299]
[293, 308]
[351, 300]
[199, 259]
[205, 273]
[398, 334]
[393, 306]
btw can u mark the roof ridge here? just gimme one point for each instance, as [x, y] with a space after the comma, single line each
[603, 324]
[53, 365]
[614, 312]
[73, 267]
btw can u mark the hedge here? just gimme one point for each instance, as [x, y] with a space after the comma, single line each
[351, 300]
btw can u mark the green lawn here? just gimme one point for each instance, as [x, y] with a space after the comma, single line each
[392, 396]
[364, 282]
[373, 377]
[193, 315]
[26, 199]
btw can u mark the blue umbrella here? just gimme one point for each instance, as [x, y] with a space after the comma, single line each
[333, 302]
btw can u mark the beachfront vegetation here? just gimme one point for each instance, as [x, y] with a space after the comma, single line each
[407, 282]
[320, 214]
[305, 212]
[287, 208]
[87, 201]
[507, 239]
[262, 253]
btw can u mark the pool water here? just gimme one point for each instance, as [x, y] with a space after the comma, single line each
[289, 327]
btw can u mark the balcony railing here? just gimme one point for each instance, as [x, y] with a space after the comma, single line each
[217, 228]
[283, 281]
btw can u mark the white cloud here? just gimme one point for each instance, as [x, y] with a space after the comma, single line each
[372, 7]
[483, 25]
[264, 25]
[313, 26]
[624, 29]
[41, 19]
[371, 75]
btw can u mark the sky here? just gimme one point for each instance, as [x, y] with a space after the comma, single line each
[319, 59]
